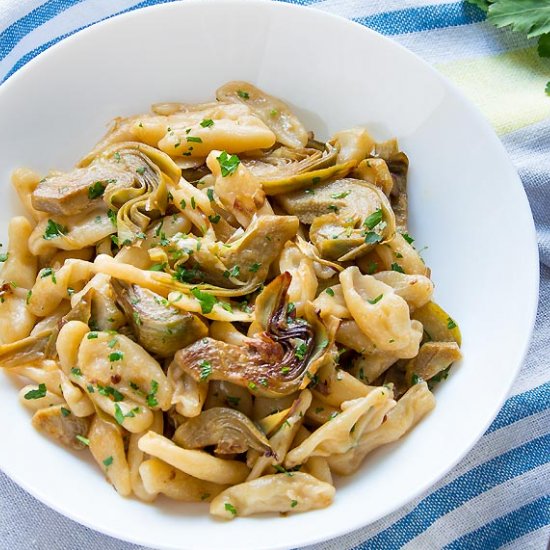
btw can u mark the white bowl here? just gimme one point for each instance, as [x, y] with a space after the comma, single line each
[466, 203]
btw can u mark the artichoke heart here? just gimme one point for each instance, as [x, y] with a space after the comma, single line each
[160, 328]
[230, 430]
[348, 217]
[276, 362]
[283, 162]
[145, 197]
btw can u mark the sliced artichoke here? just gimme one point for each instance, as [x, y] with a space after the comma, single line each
[65, 428]
[284, 162]
[146, 197]
[278, 361]
[230, 430]
[160, 328]
[438, 325]
[398, 165]
[306, 180]
[348, 217]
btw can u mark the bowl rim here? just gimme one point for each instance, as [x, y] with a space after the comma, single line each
[456, 94]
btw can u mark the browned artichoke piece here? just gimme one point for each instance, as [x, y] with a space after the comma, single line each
[398, 165]
[160, 328]
[276, 362]
[306, 180]
[26, 351]
[283, 162]
[438, 325]
[348, 217]
[432, 359]
[81, 312]
[230, 430]
[79, 190]
[60, 424]
[261, 243]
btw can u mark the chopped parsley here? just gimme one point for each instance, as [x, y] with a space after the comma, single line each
[75, 371]
[210, 194]
[329, 291]
[243, 95]
[185, 275]
[375, 300]
[92, 335]
[111, 392]
[233, 272]
[374, 219]
[183, 204]
[151, 396]
[254, 267]
[120, 416]
[408, 238]
[206, 370]
[207, 123]
[252, 386]
[228, 163]
[54, 230]
[29, 294]
[293, 503]
[415, 379]
[108, 461]
[141, 170]
[230, 508]
[207, 301]
[214, 219]
[112, 216]
[397, 267]
[332, 208]
[36, 394]
[3, 257]
[116, 356]
[372, 238]
[340, 195]
[158, 267]
[96, 189]
[48, 272]
[65, 412]
[450, 323]
[193, 139]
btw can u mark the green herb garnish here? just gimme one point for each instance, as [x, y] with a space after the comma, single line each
[228, 163]
[36, 394]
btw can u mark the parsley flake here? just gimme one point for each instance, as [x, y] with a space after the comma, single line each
[116, 356]
[54, 230]
[207, 301]
[228, 163]
[374, 219]
[375, 300]
[36, 394]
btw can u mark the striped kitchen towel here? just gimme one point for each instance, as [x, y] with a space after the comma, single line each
[498, 496]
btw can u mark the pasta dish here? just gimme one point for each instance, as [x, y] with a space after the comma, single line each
[219, 307]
